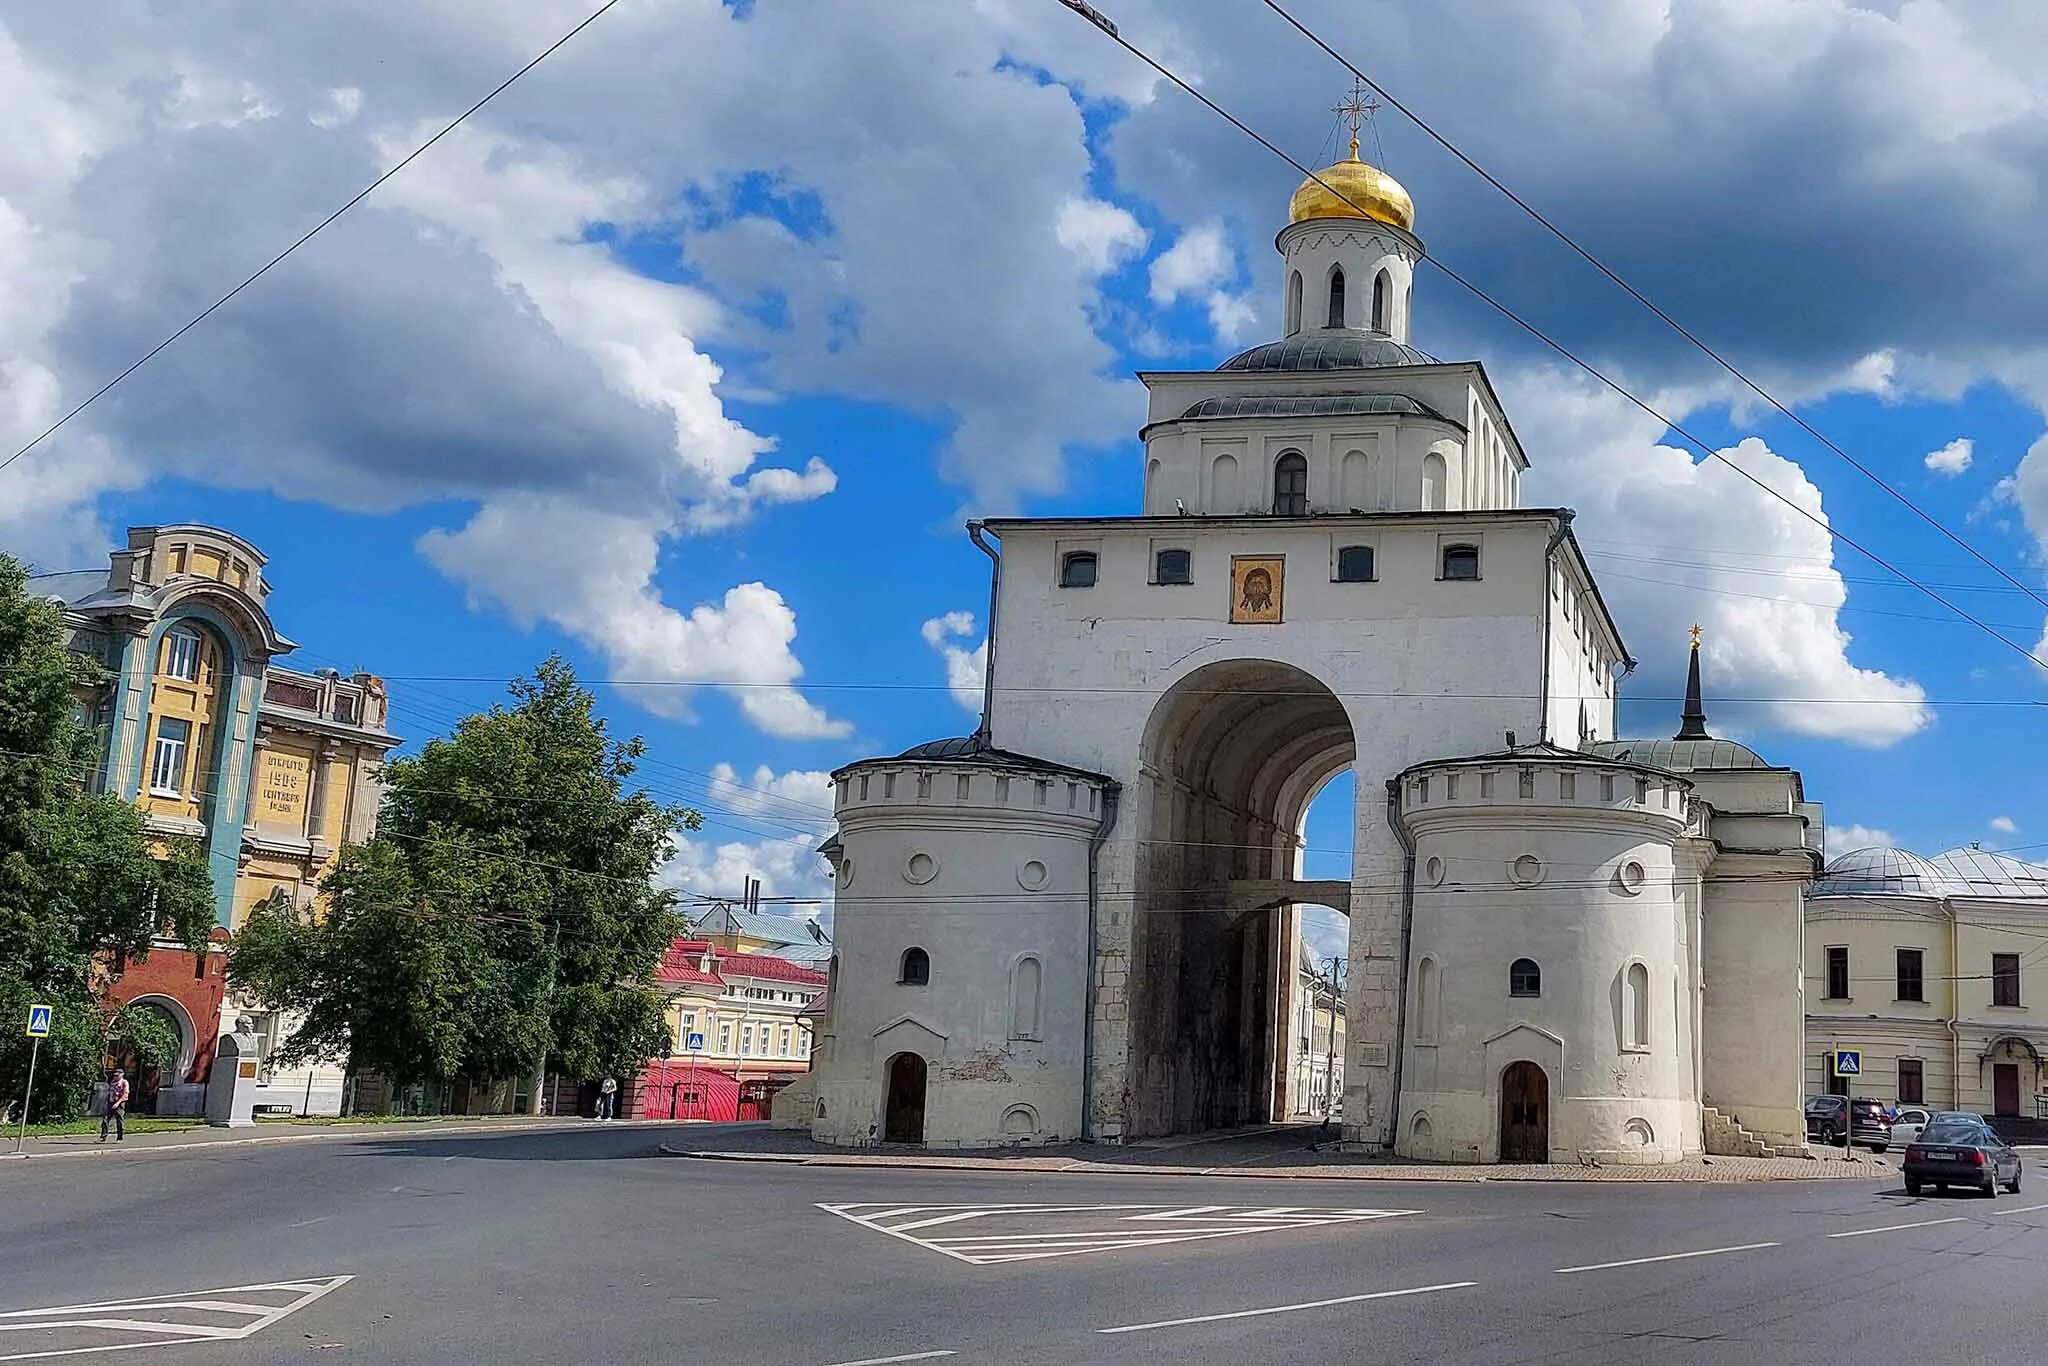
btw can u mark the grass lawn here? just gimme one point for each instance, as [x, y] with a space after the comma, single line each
[137, 1124]
[149, 1124]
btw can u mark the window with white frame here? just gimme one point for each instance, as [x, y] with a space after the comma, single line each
[167, 758]
[725, 1037]
[746, 1039]
[181, 654]
[782, 1041]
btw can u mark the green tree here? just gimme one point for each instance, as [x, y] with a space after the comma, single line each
[504, 911]
[83, 888]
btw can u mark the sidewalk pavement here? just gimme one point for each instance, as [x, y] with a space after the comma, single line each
[1273, 1152]
[205, 1137]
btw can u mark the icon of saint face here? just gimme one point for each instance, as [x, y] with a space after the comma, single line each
[1258, 591]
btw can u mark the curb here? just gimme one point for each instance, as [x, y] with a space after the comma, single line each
[408, 1131]
[1080, 1167]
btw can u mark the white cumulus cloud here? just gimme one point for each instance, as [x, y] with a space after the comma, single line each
[1843, 839]
[1953, 458]
[2005, 825]
[966, 670]
[765, 825]
[1102, 235]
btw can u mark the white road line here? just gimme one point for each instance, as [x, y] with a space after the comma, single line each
[1289, 1308]
[1900, 1228]
[1667, 1257]
[167, 1334]
[884, 1361]
[2023, 1209]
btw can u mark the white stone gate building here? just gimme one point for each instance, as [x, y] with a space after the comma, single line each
[1078, 922]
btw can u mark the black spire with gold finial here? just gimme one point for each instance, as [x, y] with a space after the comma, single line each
[1693, 721]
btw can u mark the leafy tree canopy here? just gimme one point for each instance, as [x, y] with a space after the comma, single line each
[504, 910]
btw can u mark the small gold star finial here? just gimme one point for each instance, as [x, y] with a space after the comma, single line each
[1695, 636]
[1356, 109]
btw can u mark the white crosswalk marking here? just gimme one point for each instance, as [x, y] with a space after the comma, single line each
[985, 1235]
[223, 1315]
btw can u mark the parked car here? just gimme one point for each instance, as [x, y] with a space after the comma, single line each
[1907, 1122]
[1870, 1123]
[1961, 1152]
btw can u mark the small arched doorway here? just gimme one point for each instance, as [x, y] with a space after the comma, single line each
[1524, 1113]
[903, 1114]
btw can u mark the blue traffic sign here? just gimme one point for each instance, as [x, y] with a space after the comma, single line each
[1848, 1062]
[38, 1023]
[696, 1044]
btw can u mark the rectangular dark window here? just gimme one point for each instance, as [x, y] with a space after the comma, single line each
[1910, 1092]
[1838, 972]
[1354, 564]
[1911, 978]
[2005, 979]
[1173, 566]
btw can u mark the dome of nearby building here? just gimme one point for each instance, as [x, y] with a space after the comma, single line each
[1883, 872]
[1681, 756]
[1352, 189]
[1329, 348]
[1979, 872]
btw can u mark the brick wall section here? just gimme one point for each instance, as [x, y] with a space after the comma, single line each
[176, 973]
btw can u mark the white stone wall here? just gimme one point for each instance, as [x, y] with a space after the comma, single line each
[1597, 901]
[980, 881]
[1362, 250]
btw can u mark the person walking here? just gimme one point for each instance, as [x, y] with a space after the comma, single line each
[117, 1108]
[607, 1097]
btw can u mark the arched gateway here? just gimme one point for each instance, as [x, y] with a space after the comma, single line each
[1334, 576]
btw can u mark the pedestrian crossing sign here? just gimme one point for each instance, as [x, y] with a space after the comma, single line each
[696, 1043]
[38, 1023]
[1848, 1062]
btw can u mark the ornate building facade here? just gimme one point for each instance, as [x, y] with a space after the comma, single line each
[268, 769]
[1079, 921]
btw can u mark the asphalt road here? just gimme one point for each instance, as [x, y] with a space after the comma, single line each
[588, 1246]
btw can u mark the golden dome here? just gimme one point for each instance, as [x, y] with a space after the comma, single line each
[1370, 192]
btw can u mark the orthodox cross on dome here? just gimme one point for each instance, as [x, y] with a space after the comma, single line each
[1695, 635]
[1356, 109]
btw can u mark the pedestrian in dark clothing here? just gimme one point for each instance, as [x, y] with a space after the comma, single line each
[117, 1108]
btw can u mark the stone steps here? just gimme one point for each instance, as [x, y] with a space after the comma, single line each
[1723, 1136]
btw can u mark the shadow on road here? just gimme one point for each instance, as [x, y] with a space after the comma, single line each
[596, 1143]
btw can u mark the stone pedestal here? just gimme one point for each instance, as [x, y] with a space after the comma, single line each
[231, 1087]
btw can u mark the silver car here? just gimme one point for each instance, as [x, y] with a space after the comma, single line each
[1907, 1122]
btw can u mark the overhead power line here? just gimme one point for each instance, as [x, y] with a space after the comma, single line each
[1580, 362]
[1680, 328]
[310, 233]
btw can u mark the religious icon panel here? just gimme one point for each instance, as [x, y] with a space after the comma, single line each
[1256, 582]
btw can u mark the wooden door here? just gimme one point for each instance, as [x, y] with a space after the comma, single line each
[2005, 1088]
[903, 1121]
[1524, 1114]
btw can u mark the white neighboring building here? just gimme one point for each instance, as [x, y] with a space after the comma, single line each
[1079, 921]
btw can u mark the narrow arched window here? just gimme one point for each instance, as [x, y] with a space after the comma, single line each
[917, 968]
[1427, 990]
[181, 654]
[1382, 297]
[1025, 980]
[1336, 298]
[1636, 1002]
[1461, 562]
[1432, 482]
[1173, 566]
[1525, 978]
[1293, 303]
[1077, 569]
[1290, 485]
[1354, 564]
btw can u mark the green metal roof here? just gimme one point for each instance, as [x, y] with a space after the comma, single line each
[1682, 755]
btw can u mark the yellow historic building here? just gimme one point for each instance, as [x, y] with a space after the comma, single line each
[269, 770]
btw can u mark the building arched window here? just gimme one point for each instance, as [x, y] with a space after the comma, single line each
[1461, 562]
[1025, 980]
[1290, 485]
[1077, 569]
[1428, 988]
[1382, 298]
[1354, 564]
[182, 649]
[1525, 978]
[1293, 302]
[1336, 297]
[1635, 1000]
[916, 970]
[1433, 477]
[1173, 566]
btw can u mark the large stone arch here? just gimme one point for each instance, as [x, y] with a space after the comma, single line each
[1231, 755]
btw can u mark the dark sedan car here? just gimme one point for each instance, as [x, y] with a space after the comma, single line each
[1870, 1121]
[1961, 1152]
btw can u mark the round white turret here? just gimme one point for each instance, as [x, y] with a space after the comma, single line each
[961, 910]
[1549, 927]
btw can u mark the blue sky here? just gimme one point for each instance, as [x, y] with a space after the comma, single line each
[778, 295]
